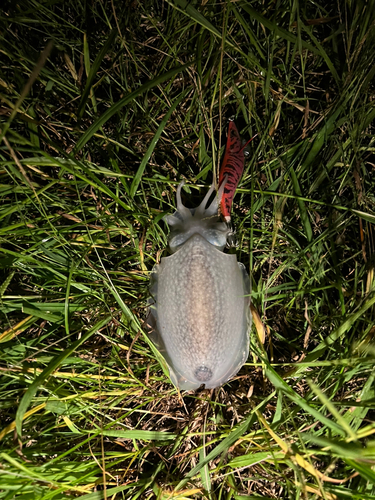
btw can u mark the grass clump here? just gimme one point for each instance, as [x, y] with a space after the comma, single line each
[105, 107]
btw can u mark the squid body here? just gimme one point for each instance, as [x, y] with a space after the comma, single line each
[199, 309]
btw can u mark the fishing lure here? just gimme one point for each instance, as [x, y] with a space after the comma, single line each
[232, 168]
[199, 310]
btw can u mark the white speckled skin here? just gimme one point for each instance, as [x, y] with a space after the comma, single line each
[200, 303]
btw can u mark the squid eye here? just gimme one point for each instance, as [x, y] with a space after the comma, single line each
[217, 237]
[177, 241]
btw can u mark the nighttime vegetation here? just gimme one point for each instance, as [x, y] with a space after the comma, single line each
[105, 107]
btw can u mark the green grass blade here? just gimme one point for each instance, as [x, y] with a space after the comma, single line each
[222, 447]
[302, 207]
[276, 29]
[186, 7]
[126, 100]
[151, 147]
[93, 71]
[54, 364]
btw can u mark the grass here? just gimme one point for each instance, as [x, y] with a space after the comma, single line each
[96, 133]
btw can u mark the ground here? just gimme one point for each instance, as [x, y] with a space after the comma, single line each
[105, 108]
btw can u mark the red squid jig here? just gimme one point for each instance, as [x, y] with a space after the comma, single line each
[232, 168]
